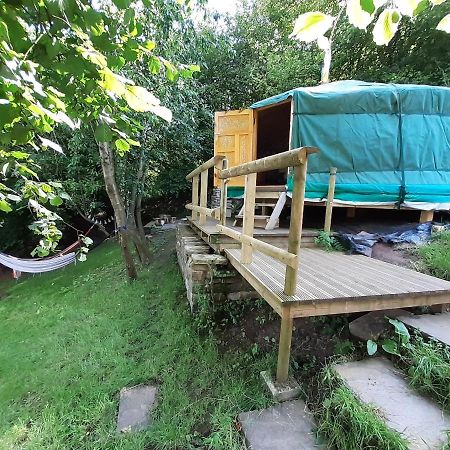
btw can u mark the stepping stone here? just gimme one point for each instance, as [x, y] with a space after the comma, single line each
[285, 426]
[436, 326]
[374, 324]
[376, 382]
[134, 408]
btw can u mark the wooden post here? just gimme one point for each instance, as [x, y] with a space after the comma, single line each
[195, 197]
[330, 199]
[203, 195]
[426, 216]
[284, 346]
[223, 196]
[249, 216]
[295, 228]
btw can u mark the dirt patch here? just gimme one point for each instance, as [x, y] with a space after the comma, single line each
[398, 255]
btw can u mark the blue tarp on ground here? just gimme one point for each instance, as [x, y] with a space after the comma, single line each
[389, 142]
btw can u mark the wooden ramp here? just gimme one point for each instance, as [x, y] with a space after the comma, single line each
[335, 283]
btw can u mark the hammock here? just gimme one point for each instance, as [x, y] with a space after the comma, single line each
[36, 265]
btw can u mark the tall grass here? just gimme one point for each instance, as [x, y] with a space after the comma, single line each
[436, 255]
[70, 340]
[347, 423]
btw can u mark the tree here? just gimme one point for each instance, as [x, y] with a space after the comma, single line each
[387, 14]
[61, 63]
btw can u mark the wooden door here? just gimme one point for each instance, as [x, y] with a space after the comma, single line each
[234, 139]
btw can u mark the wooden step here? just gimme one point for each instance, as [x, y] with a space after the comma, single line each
[257, 216]
[378, 383]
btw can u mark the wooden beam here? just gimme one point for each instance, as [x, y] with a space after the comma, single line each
[330, 199]
[295, 227]
[276, 211]
[249, 216]
[203, 194]
[210, 212]
[279, 161]
[270, 250]
[195, 180]
[284, 346]
[213, 162]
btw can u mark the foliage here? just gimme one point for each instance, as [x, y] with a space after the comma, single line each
[328, 242]
[392, 346]
[436, 255]
[347, 423]
[72, 339]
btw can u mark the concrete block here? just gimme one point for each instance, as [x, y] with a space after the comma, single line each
[134, 408]
[286, 426]
[281, 392]
[436, 326]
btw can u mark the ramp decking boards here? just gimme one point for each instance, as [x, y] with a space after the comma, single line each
[436, 326]
[376, 382]
[285, 426]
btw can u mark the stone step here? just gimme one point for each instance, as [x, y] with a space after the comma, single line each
[436, 326]
[285, 426]
[378, 383]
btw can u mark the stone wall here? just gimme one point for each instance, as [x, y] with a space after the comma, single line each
[207, 274]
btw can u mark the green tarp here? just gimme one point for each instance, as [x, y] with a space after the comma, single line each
[389, 142]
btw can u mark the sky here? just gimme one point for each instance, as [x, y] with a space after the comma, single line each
[223, 6]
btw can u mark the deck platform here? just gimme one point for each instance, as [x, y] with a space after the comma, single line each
[335, 283]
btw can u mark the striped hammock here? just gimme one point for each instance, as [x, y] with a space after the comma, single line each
[37, 265]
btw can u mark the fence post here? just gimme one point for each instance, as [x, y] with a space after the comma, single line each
[195, 196]
[203, 195]
[284, 346]
[330, 200]
[223, 195]
[295, 228]
[249, 216]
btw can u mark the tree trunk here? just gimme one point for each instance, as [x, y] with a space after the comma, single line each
[107, 161]
[139, 216]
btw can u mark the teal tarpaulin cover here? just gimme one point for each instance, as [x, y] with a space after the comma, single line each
[389, 142]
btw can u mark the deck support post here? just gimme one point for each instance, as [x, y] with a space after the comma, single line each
[249, 216]
[426, 216]
[330, 200]
[284, 346]
[295, 228]
[203, 195]
[195, 197]
[223, 195]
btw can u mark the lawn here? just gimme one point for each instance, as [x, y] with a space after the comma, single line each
[70, 340]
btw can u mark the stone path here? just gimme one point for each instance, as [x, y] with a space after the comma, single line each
[433, 325]
[285, 426]
[375, 381]
[134, 408]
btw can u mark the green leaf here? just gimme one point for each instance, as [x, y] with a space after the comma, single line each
[444, 24]
[357, 15]
[103, 133]
[368, 6]
[401, 330]
[407, 7]
[154, 65]
[141, 100]
[82, 257]
[372, 347]
[122, 145]
[310, 26]
[56, 201]
[112, 83]
[87, 240]
[4, 206]
[390, 346]
[386, 26]
[122, 4]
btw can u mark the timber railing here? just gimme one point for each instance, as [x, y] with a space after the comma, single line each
[199, 177]
[298, 160]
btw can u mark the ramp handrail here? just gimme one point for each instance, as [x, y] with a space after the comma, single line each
[297, 159]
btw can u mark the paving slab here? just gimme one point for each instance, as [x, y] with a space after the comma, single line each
[285, 426]
[436, 326]
[134, 408]
[372, 325]
[377, 382]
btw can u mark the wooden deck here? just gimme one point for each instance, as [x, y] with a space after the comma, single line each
[278, 237]
[335, 283]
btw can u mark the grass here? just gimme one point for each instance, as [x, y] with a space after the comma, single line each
[70, 340]
[347, 423]
[436, 255]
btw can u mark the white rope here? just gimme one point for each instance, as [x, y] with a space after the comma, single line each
[36, 265]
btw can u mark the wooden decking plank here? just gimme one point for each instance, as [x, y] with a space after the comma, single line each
[332, 277]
